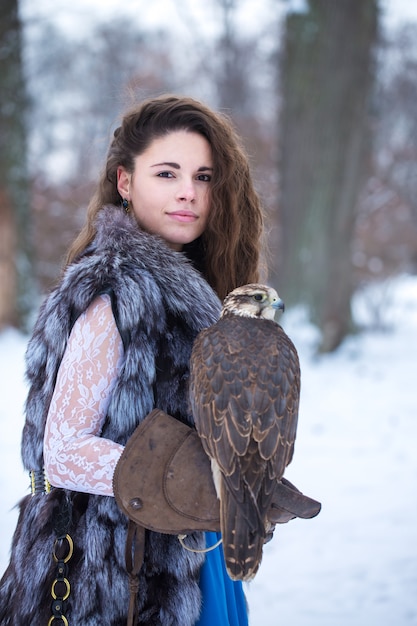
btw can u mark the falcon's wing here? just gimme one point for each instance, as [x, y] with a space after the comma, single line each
[244, 387]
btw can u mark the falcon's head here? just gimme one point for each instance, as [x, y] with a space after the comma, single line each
[254, 300]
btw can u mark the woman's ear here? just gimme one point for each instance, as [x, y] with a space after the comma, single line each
[123, 182]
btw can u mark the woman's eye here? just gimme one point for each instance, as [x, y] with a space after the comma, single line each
[165, 175]
[206, 178]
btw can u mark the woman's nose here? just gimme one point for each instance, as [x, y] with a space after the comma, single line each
[186, 191]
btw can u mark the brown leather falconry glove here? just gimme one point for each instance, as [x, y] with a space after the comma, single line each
[163, 482]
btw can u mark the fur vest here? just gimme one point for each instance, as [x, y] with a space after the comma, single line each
[160, 303]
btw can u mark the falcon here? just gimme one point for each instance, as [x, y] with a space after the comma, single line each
[244, 396]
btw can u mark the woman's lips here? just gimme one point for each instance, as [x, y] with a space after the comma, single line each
[183, 216]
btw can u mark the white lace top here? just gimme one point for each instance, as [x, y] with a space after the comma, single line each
[75, 455]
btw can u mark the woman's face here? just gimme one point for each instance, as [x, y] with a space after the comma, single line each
[169, 189]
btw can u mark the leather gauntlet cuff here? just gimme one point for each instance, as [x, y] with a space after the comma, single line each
[163, 481]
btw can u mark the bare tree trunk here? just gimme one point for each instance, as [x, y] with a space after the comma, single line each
[327, 79]
[7, 267]
[16, 273]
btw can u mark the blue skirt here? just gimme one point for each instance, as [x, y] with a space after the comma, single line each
[224, 602]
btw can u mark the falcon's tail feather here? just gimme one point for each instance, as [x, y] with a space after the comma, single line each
[243, 536]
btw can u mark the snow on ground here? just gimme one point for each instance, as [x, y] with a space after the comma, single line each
[356, 563]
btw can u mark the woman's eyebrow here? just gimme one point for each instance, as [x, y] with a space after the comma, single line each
[176, 166]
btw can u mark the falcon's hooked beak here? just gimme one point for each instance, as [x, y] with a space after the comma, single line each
[277, 304]
[273, 303]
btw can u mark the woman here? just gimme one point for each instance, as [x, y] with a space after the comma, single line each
[175, 224]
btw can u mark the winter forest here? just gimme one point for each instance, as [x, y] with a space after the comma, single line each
[323, 93]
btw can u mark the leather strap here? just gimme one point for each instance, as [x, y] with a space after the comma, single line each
[135, 550]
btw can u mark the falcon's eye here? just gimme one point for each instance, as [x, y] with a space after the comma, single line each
[259, 297]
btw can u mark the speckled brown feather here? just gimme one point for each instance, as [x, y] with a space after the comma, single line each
[244, 391]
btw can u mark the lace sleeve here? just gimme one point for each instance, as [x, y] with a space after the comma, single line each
[75, 455]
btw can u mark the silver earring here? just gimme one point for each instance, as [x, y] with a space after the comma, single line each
[125, 205]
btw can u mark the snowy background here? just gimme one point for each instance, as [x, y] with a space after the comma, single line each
[356, 563]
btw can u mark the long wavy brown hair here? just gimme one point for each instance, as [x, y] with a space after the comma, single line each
[228, 252]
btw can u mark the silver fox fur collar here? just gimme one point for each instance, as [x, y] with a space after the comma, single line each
[160, 304]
